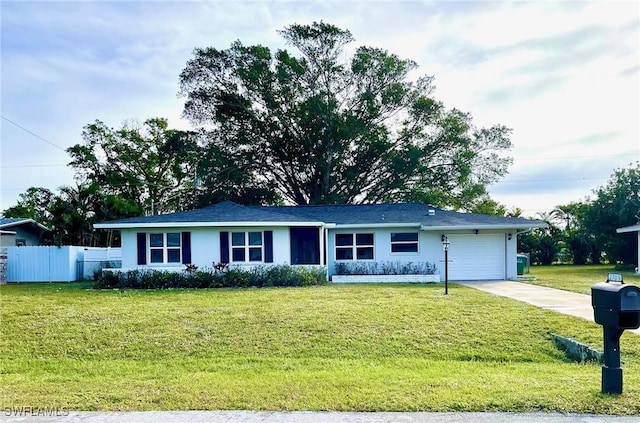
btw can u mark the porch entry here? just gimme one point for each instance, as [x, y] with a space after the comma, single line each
[305, 245]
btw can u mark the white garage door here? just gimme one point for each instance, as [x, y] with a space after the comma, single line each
[476, 257]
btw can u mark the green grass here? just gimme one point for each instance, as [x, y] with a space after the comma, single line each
[363, 347]
[578, 279]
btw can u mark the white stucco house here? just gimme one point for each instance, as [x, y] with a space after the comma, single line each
[481, 246]
[633, 228]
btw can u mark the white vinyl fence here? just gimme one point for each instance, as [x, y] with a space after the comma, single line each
[57, 264]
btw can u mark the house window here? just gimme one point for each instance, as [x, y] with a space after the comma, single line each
[404, 242]
[354, 246]
[247, 246]
[165, 247]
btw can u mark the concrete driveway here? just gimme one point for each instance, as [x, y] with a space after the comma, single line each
[565, 302]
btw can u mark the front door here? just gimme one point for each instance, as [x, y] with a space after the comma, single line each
[305, 245]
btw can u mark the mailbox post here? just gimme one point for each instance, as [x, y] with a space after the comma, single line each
[616, 306]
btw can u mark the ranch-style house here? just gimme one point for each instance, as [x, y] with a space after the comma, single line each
[482, 247]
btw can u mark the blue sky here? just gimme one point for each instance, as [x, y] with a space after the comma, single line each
[565, 76]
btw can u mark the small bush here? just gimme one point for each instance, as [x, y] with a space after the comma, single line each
[106, 280]
[216, 277]
[385, 268]
[625, 267]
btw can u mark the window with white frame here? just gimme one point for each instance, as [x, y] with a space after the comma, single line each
[354, 246]
[247, 246]
[165, 247]
[404, 242]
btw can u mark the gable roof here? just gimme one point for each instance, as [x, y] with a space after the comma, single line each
[364, 215]
[9, 222]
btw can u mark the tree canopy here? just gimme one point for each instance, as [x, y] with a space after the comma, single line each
[585, 231]
[71, 213]
[617, 205]
[146, 163]
[318, 127]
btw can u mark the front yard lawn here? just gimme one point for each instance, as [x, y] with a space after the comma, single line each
[355, 347]
[578, 279]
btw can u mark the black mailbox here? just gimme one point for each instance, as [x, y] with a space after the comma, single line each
[616, 306]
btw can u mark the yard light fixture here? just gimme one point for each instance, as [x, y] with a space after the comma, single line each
[445, 246]
[509, 236]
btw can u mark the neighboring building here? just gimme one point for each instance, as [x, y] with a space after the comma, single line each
[20, 232]
[633, 228]
[482, 246]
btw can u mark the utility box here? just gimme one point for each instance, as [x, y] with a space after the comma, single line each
[522, 264]
[616, 306]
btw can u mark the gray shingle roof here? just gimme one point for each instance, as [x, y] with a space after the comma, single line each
[366, 214]
[226, 211]
[410, 213]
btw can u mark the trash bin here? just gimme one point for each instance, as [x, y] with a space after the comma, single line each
[522, 263]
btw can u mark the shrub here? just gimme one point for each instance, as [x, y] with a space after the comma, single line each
[385, 268]
[237, 278]
[106, 280]
[281, 275]
[625, 267]
[216, 277]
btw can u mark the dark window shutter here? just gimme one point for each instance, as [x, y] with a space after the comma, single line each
[268, 246]
[186, 248]
[224, 247]
[142, 248]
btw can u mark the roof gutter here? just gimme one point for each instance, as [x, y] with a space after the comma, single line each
[627, 229]
[107, 225]
[528, 227]
[370, 225]
[23, 221]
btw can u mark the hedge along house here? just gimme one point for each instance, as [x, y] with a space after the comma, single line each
[481, 246]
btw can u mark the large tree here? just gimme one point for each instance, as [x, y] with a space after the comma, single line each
[147, 163]
[75, 209]
[35, 203]
[576, 235]
[71, 213]
[319, 128]
[541, 243]
[617, 205]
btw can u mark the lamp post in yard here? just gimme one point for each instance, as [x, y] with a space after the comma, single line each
[445, 245]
